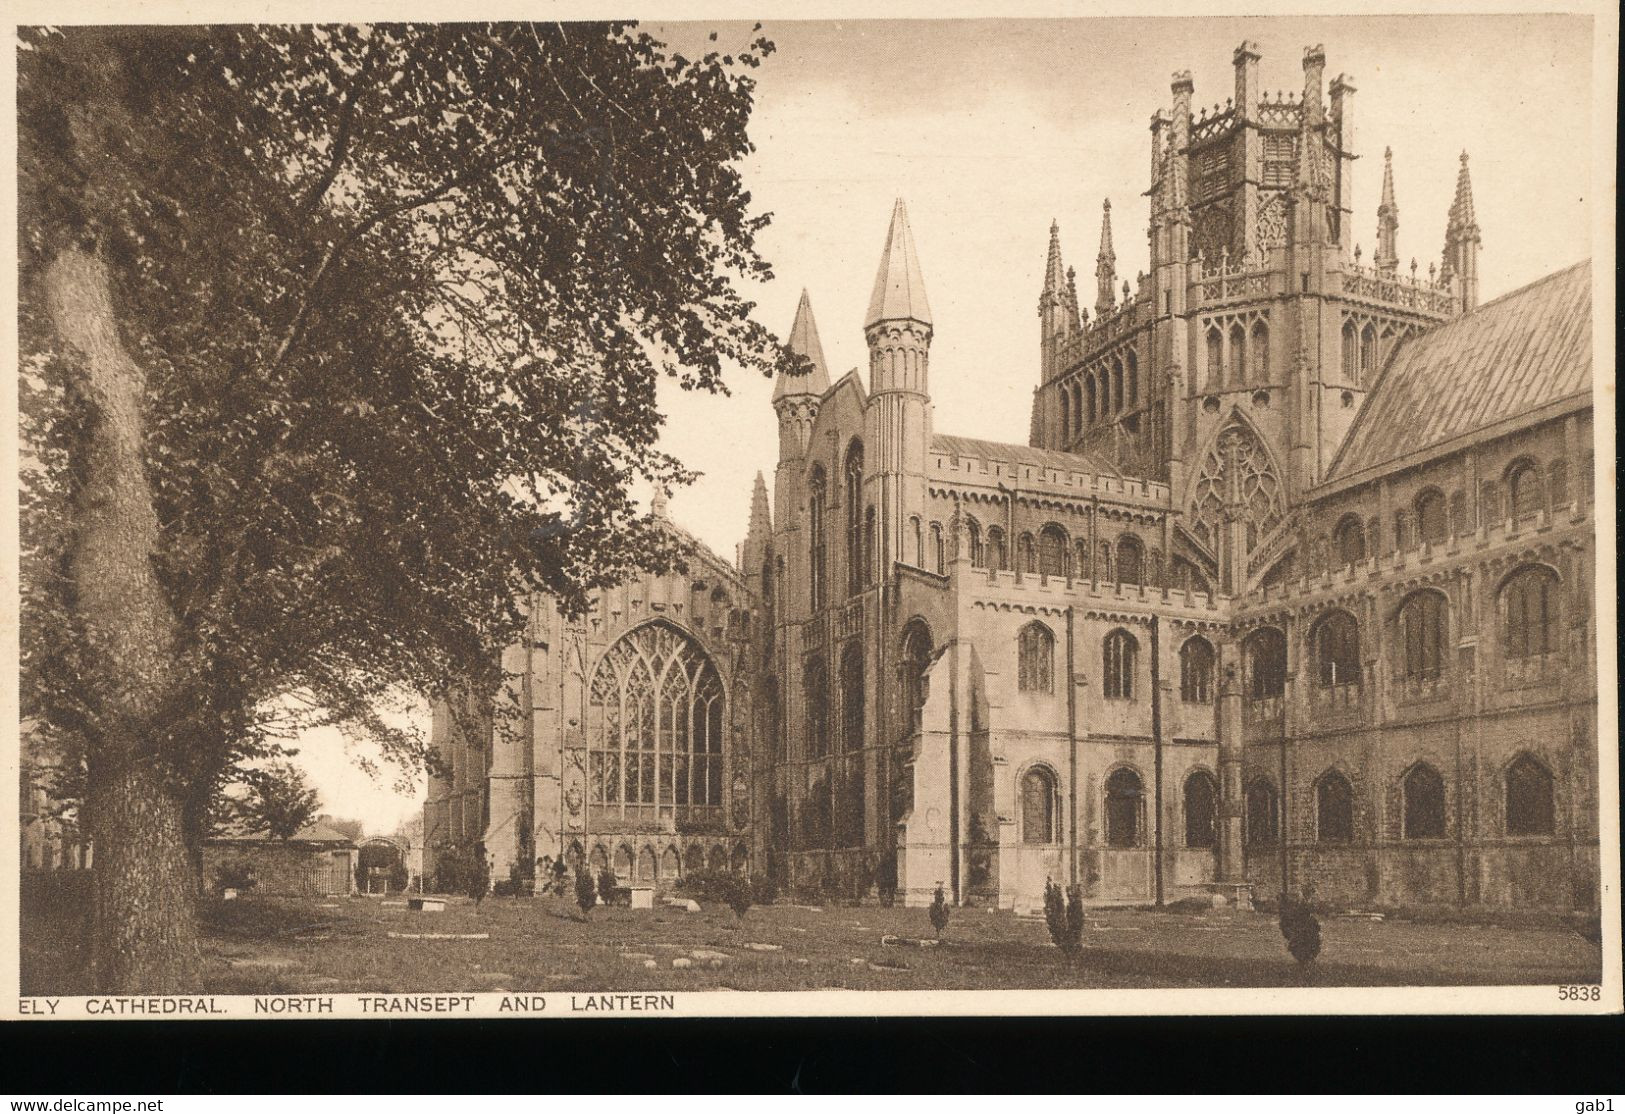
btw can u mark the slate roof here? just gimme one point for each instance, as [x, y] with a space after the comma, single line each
[1523, 351]
[310, 833]
[1021, 454]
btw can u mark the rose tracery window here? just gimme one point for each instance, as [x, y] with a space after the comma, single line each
[655, 726]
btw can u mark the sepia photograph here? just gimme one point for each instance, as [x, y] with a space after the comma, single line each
[813, 516]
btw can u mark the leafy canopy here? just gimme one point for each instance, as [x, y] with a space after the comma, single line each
[402, 295]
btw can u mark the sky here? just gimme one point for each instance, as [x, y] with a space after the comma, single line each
[989, 129]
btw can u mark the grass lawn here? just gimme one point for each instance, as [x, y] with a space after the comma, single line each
[267, 945]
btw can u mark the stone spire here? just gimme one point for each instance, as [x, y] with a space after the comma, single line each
[1387, 257]
[1054, 271]
[1105, 263]
[1072, 295]
[1461, 241]
[804, 342]
[1057, 304]
[899, 293]
[761, 517]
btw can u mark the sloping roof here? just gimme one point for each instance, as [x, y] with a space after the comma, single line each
[1523, 351]
[1021, 454]
[310, 833]
[899, 291]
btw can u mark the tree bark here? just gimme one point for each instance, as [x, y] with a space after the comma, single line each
[143, 925]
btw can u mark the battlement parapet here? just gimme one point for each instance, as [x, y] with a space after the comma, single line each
[1005, 587]
[1393, 289]
[1078, 483]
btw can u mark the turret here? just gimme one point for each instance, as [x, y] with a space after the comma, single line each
[1105, 263]
[1387, 257]
[796, 391]
[897, 421]
[1341, 165]
[1461, 241]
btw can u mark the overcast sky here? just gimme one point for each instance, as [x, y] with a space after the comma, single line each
[989, 129]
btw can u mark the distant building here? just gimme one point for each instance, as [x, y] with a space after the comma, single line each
[1293, 576]
[318, 861]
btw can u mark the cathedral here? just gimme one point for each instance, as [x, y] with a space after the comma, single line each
[1290, 588]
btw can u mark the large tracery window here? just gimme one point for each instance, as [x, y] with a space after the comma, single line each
[1529, 613]
[655, 726]
[1236, 470]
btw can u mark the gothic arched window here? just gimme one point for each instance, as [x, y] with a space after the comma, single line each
[655, 719]
[1038, 806]
[853, 494]
[1260, 351]
[973, 533]
[1524, 489]
[1262, 813]
[1236, 448]
[1238, 355]
[1133, 366]
[915, 660]
[1432, 518]
[1066, 415]
[1120, 655]
[1080, 559]
[1529, 613]
[1368, 351]
[917, 532]
[1265, 657]
[1196, 671]
[939, 553]
[1349, 540]
[1117, 383]
[1125, 800]
[1093, 402]
[1215, 359]
[815, 686]
[1422, 635]
[817, 499]
[1130, 560]
[1035, 658]
[995, 548]
[1529, 798]
[1423, 790]
[1334, 809]
[1028, 560]
[1052, 550]
[852, 678]
[1351, 353]
[1336, 641]
[1201, 810]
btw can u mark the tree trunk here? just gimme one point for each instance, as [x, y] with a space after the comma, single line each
[143, 934]
[144, 924]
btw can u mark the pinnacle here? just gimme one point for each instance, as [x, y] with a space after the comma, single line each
[761, 517]
[804, 342]
[1388, 178]
[1461, 209]
[899, 292]
[1054, 272]
[1106, 231]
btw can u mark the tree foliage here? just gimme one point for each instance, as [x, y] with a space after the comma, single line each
[1063, 914]
[392, 303]
[277, 799]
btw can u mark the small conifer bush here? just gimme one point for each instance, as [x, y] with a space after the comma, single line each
[586, 892]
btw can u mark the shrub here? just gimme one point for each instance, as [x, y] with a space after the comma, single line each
[505, 888]
[586, 892]
[399, 878]
[939, 911]
[1064, 915]
[561, 876]
[886, 879]
[608, 884]
[235, 872]
[738, 895]
[1301, 928]
[764, 889]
